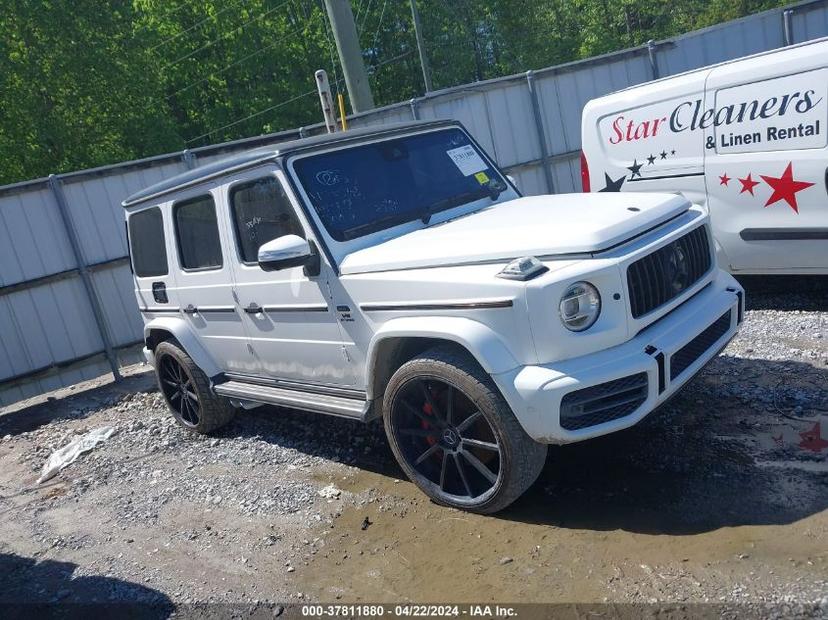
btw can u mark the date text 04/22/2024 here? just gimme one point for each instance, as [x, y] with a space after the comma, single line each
[409, 611]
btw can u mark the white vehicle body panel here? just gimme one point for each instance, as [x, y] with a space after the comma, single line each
[295, 336]
[222, 343]
[330, 330]
[747, 139]
[538, 389]
[537, 226]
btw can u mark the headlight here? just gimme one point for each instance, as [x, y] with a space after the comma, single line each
[580, 306]
[523, 269]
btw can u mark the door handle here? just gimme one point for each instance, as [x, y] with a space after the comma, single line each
[190, 309]
[253, 308]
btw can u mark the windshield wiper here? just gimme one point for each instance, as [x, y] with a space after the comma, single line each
[393, 219]
[492, 190]
[454, 201]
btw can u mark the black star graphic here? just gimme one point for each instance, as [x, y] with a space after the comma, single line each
[635, 169]
[651, 160]
[673, 152]
[612, 186]
[663, 154]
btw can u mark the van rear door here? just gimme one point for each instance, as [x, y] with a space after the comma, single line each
[766, 159]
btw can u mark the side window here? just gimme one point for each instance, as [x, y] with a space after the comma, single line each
[196, 229]
[146, 235]
[261, 212]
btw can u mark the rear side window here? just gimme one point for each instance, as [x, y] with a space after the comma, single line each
[146, 235]
[196, 229]
[261, 213]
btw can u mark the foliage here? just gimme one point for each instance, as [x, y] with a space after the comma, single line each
[90, 82]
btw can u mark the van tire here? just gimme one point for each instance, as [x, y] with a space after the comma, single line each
[212, 411]
[520, 459]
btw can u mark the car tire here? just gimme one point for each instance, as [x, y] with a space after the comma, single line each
[441, 406]
[187, 391]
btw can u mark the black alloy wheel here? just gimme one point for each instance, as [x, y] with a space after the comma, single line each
[446, 439]
[455, 436]
[179, 390]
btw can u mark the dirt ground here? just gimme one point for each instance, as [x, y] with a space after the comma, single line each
[720, 497]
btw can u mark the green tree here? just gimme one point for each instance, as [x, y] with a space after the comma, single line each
[91, 82]
[77, 89]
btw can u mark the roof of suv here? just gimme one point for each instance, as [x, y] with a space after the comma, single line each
[256, 156]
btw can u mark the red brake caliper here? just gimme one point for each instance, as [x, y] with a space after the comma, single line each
[428, 411]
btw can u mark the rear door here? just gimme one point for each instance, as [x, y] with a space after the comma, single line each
[766, 160]
[204, 279]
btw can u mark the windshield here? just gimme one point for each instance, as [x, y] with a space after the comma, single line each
[366, 188]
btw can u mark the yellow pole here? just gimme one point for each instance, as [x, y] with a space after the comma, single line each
[344, 120]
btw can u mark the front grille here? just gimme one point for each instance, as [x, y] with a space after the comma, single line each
[694, 349]
[603, 402]
[666, 273]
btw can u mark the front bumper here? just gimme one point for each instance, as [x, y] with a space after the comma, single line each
[694, 333]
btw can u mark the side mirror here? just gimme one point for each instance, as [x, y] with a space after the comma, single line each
[289, 251]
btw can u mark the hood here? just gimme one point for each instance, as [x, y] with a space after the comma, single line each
[543, 226]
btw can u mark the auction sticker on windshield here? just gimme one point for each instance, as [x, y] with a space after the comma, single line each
[467, 160]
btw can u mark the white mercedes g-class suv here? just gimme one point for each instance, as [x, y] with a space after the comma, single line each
[395, 272]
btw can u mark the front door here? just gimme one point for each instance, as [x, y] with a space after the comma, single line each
[291, 324]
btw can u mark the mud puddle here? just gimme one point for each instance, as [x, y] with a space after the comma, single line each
[658, 512]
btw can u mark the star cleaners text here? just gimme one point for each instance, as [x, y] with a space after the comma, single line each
[691, 116]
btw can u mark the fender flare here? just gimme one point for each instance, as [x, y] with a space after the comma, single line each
[182, 332]
[478, 339]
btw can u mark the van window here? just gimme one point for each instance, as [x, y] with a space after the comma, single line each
[196, 229]
[146, 235]
[261, 213]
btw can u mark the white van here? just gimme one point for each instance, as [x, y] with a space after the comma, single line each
[745, 138]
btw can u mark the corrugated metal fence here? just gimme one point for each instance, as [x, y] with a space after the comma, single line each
[67, 310]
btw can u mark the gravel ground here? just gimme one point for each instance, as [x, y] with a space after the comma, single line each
[719, 497]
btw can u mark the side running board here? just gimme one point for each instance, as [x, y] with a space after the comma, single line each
[306, 401]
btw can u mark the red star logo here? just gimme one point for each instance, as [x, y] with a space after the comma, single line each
[812, 440]
[724, 179]
[785, 188]
[748, 184]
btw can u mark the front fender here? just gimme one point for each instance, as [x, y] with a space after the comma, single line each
[478, 339]
[183, 333]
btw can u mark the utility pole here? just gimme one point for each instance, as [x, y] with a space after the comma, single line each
[350, 55]
[418, 32]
